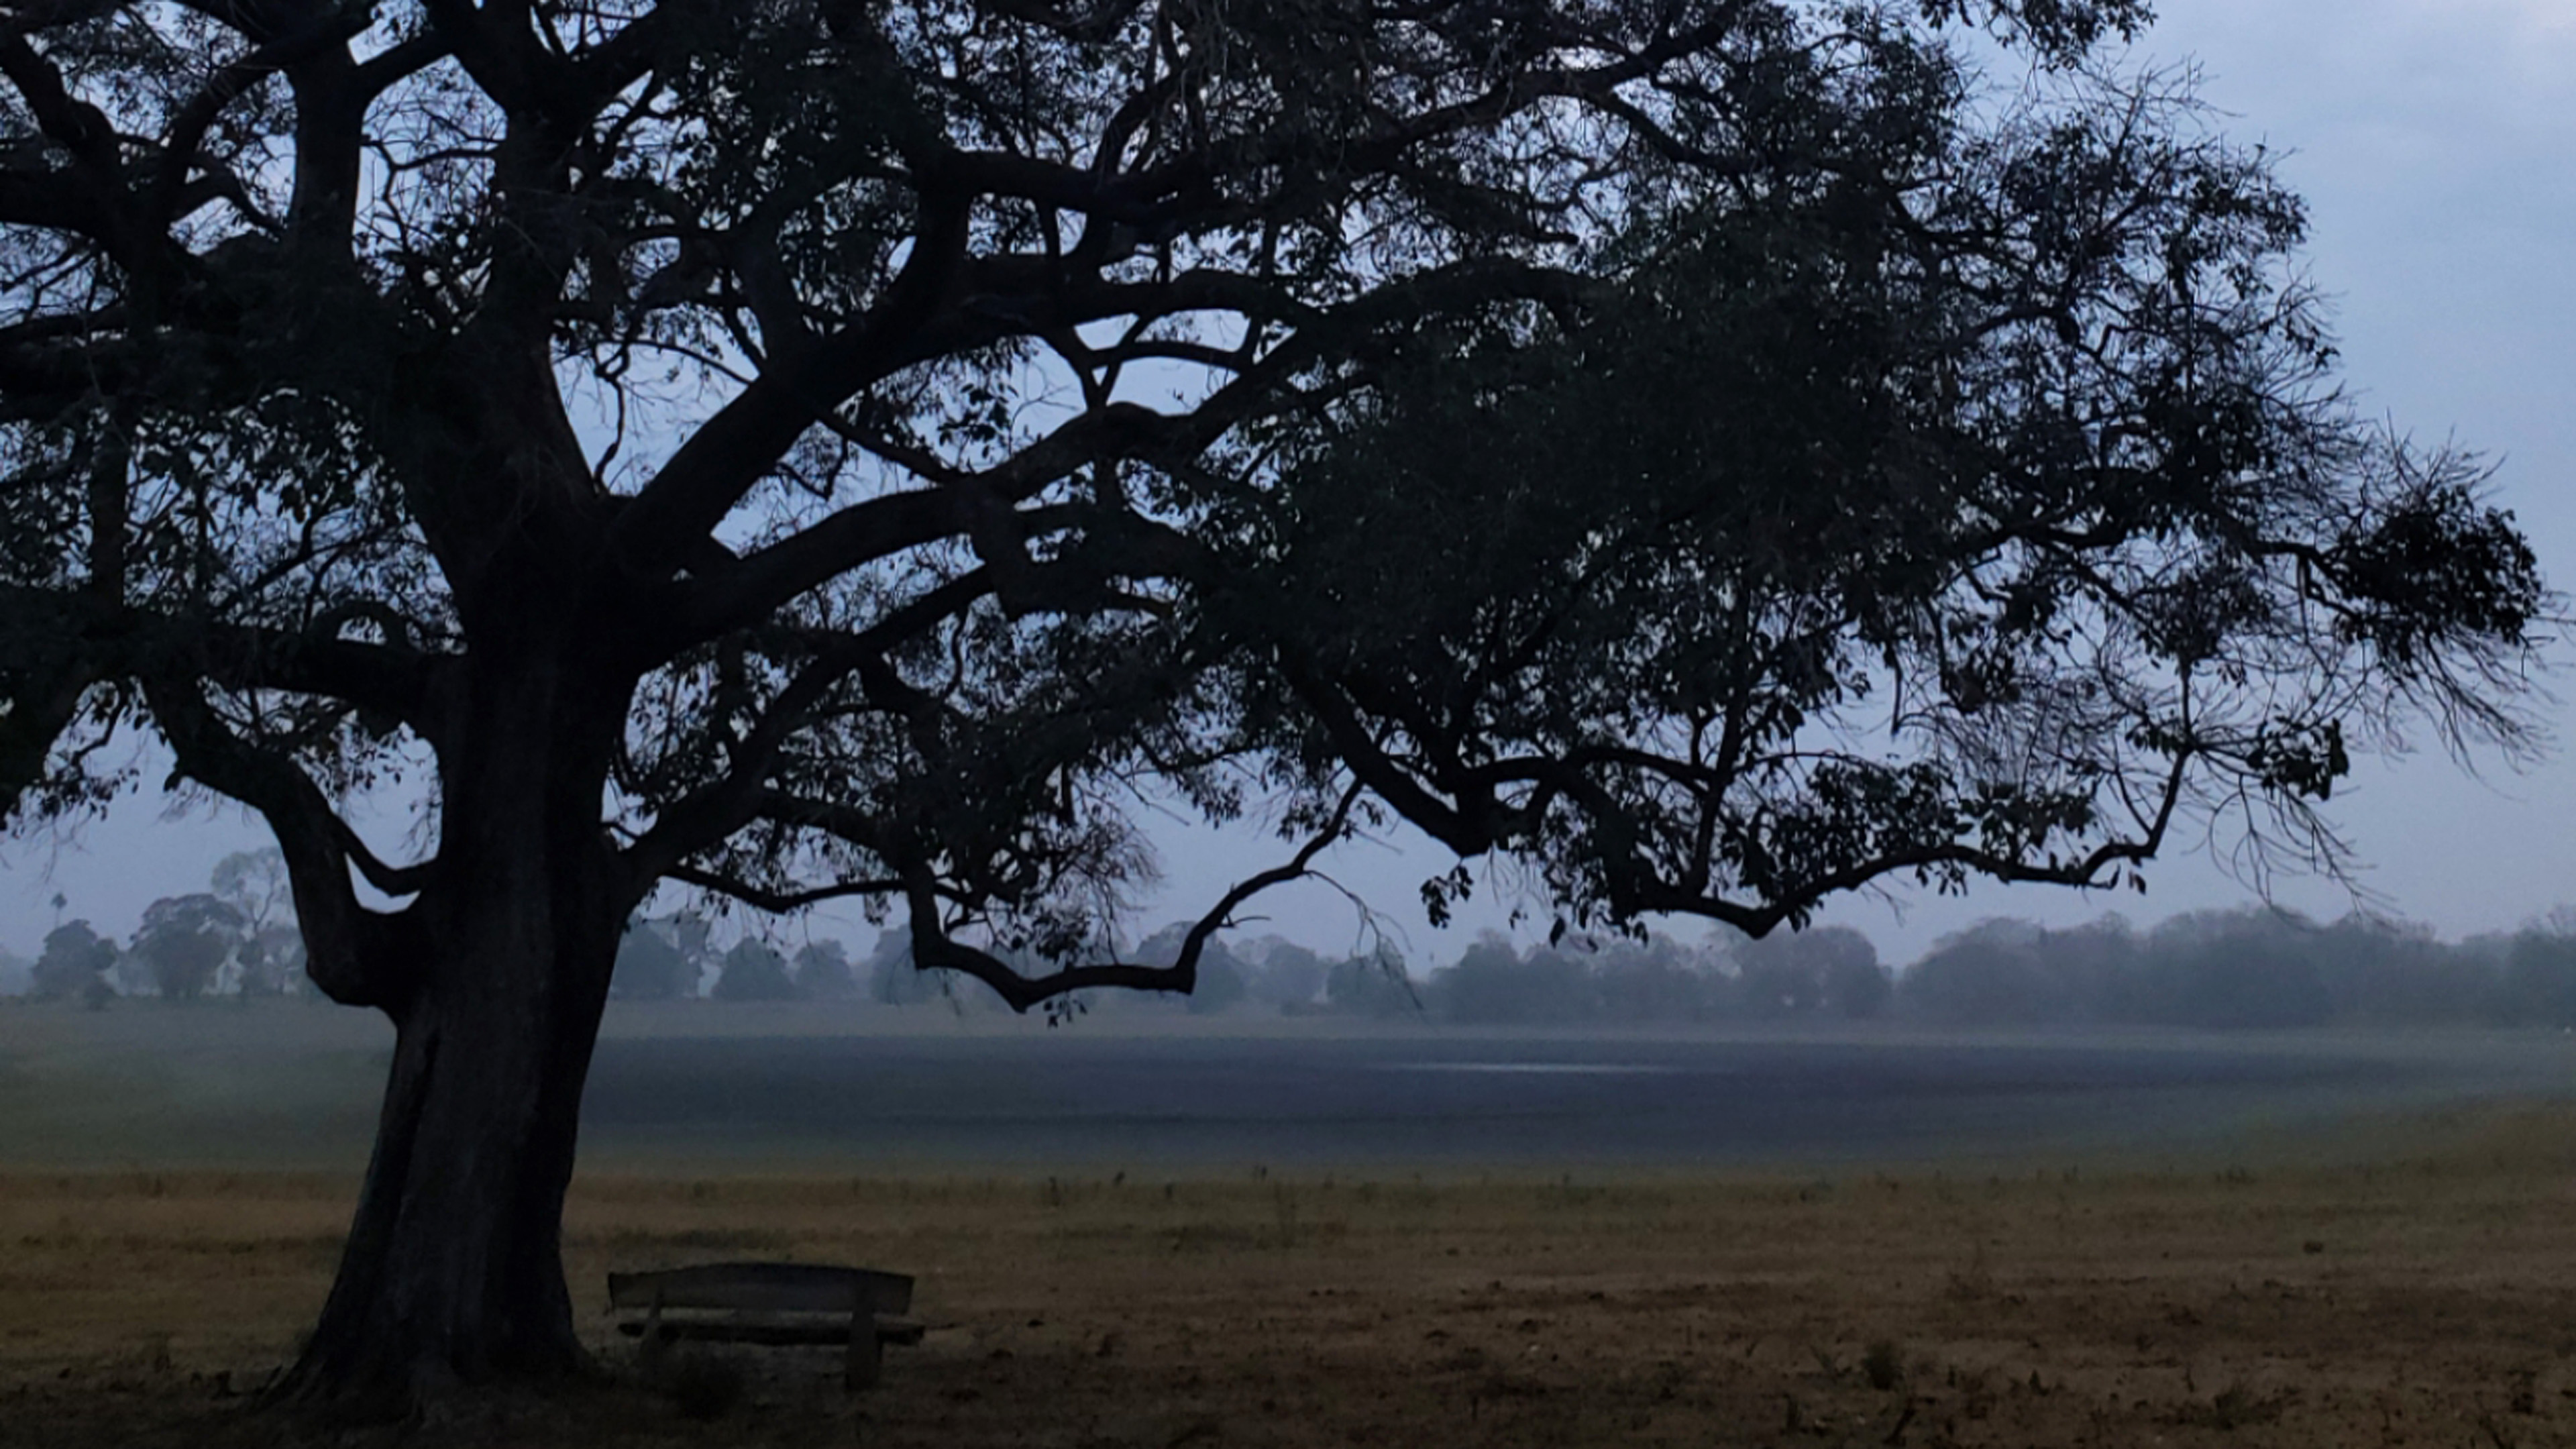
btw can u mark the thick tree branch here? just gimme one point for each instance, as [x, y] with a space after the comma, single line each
[774, 901]
[934, 949]
[35, 709]
[707, 815]
[731, 450]
[125, 641]
[84, 133]
[738, 594]
[327, 28]
[2084, 872]
[355, 955]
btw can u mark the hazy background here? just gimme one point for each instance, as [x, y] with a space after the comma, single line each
[2435, 141]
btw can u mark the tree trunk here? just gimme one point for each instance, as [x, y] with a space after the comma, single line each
[453, 1272]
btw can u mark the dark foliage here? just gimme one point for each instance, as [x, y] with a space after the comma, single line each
[1830, 968]
[271, 952]
[1291, 977]
[649, 967]
[74, 962]
[185, 941]
[823, 971]
[1375, 986]
[754, 971]
[1996, 974]
[1825, 970]
[1712, 390]
[1653, 980]
[1493, 983]
[2245, 969]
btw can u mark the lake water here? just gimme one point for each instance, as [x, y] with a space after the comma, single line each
[1077, 1101]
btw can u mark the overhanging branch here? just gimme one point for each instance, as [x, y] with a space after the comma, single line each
[777, 902]
[934, 949]
[357, 956]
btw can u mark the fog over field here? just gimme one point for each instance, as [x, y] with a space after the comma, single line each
[854, 1087]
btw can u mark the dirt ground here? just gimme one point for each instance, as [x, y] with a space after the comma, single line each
[2430, 1299]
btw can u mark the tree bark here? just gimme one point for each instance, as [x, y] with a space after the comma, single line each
[453, 1271]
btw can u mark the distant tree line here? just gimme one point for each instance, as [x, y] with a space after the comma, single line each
[237, 937]
[2248, 968]
[1827, 971]
[674, 957]
[2251, 968]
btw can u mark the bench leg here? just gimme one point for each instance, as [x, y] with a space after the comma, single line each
[650, 1345]
[867, 1354]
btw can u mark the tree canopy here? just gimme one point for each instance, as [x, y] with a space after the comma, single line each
[74, 963]
[1714, 450]
[186, 940]
[1693, 382]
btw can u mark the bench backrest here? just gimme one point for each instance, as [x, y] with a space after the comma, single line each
[764, 1288]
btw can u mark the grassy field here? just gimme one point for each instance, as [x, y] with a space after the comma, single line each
[2429, 1298]
[786, 1088]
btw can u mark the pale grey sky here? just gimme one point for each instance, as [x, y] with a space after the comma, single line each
[2435, 141]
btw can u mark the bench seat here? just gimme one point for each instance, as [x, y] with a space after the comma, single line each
[776, 1329]
[769, 1303]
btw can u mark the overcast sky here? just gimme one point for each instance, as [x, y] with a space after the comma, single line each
[2435, 141]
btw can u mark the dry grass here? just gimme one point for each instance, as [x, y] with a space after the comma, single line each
[2428, 1301]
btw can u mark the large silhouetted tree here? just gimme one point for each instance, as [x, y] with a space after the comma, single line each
[802, 449]
[74, 963]
[185, 941]
[255, 884]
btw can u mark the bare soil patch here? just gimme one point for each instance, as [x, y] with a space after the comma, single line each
[2424, 1301]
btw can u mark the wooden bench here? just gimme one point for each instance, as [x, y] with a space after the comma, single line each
[773, 1303]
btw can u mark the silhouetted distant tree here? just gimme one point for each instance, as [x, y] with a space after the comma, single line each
[1658, 979]
[185, 941]
[754, 971]
[1291, 977]
[895, 977]
[693, 935]
[270, 958]
[1857, 987]
[255, 884]
[1373, 985]
[2538, 983]
[2385, 973]
[823, 971]
[1799, 972]
[649, 967]
[1990, 974]
[2088, 967]
[1491, 982]
[2254, 968]
[274, 959]
[74, 962]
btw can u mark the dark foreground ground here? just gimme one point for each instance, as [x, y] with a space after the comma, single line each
[2427, 1297]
